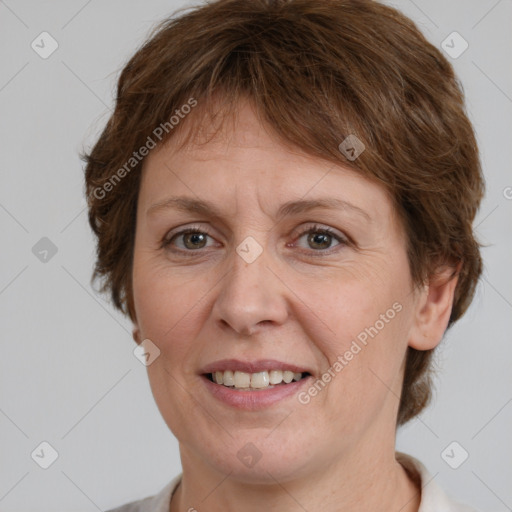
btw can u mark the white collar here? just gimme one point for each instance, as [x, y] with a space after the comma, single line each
[433, 498]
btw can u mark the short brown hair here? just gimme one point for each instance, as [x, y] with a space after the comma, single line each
[316, 71]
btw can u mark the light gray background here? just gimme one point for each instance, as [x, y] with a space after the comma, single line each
[68, 375]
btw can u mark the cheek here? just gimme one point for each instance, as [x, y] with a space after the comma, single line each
[350, 305]
[168, 305]
[359, 327]
[160, 291]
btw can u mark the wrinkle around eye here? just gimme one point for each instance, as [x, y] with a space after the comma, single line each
[168, 240]
[341, 239]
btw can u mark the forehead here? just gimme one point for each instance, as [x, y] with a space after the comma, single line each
[238, 157]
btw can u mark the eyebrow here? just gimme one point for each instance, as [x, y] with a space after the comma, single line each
[206, 208]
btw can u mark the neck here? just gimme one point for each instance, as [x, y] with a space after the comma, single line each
[358, 482]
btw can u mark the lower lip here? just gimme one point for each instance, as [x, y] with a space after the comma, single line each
[253, 400]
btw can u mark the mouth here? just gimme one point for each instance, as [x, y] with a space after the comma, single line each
[258, 381]
[253, 385]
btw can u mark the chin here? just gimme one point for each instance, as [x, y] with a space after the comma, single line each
[255, 459]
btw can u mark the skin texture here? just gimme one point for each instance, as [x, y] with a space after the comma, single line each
[298, 303]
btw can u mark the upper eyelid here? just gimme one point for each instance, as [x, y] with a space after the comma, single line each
[341, 238]
[297, 232]
[315, 226]
[319, 228]
[168, 237]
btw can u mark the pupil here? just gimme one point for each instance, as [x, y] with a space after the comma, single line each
[321, 239]
[194, 238]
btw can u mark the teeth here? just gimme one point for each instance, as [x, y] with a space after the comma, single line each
[287, 377]
[228, 378]
[260, 380]
[276, 376]
[242, 380]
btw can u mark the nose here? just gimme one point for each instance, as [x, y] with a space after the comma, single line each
[251, 297]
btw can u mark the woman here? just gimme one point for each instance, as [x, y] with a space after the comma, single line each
[283, 200]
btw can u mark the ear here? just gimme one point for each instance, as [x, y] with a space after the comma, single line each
[136, 334]
[433, 308]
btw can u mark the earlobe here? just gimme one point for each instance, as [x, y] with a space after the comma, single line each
[136, 334]
[433, 309]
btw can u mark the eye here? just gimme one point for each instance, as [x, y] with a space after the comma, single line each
[321, 239]
[191, 239]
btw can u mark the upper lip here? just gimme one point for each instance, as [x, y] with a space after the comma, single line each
[255, 366]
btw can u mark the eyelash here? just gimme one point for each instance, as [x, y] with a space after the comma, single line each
[342, 241]
[166, 242]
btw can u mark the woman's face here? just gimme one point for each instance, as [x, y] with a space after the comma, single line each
[263, 287]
